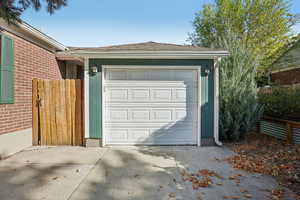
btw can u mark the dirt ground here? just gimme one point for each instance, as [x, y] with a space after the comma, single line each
[267, 155]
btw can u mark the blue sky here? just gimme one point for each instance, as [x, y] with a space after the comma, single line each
[109, 22]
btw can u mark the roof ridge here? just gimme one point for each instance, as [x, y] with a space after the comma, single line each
[141, 43]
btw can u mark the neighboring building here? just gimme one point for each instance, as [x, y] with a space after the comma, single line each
[145, 93]
[286, 70]
[26, 53]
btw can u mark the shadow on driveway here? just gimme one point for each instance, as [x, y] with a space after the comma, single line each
[128, 173]
[154, 173]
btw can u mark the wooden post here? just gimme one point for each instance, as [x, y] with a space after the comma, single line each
[258, 127]
[42, 112]
[289, 137]
[35, 113]
[78, 114]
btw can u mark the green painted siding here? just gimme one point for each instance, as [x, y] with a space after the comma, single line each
[206, 90]
[207, 104]
[95, 114]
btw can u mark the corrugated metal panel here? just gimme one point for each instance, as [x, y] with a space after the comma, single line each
[296, 132]
[278, 130]
[273, 129]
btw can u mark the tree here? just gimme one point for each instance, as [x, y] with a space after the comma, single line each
[264, 26]
[239, 107]
[11, 10]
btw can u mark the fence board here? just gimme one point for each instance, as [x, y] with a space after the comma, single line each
[57, 112]
[78, 115]
[41, 93]
[56, 98]
[54, 136]
[47, 112]
[72, 104]
[35, 113]
[68, 112]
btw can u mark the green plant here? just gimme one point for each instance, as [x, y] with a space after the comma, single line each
[239, 108]
[11, 10]
[281, 102]
[265, 26]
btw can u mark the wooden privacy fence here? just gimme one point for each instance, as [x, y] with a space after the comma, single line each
[57, 112]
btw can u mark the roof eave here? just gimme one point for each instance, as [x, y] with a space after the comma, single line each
[149, 54]
[41, 36]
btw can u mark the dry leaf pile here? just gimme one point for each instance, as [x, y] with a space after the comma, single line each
[266, 155]
[202, 178]
[277, 194]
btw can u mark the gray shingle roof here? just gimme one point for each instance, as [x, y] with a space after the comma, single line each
[146, 46]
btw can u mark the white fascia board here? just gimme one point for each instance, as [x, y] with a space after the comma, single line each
[153, 54]
[41, 36]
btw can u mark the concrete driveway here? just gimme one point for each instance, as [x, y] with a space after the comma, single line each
[129, 173]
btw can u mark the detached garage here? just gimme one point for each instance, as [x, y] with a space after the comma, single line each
[150, 94]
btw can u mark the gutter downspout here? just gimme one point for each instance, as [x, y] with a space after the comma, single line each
[216, 100]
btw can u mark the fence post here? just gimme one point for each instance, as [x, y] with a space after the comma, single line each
[258, 126]
[289, 137]
[35, 113]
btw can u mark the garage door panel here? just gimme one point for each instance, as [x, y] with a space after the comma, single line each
[117, 95]
[146, 115]
[117, 115]
[179, 94]
[161, 95]
[139, 134]
[139, 94]
[163, 115]
[140, 115]
[154, 136]
[118, 134]
[116, 74]
[151, 107]
[150, 95]
[165, 135]
[137, 74]
[180, 114]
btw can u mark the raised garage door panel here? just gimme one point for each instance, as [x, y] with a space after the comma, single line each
[150, 106]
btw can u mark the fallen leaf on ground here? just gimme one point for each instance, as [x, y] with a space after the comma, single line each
[231, 197]
[200, 179]
[267, 155]
[172, 195]
[243, 190]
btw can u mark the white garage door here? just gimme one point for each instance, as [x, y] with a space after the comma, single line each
[155, 107]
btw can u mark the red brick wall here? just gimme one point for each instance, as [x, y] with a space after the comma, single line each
[287, 77]
[31, 61]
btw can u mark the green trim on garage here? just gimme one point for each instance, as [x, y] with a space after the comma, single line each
[207, 90]
[95, 98]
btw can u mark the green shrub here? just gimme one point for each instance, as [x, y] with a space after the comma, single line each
[239, 108]
[281, 102]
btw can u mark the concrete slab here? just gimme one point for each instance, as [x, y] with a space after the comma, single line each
[123, 173]
[55, 155]
[42, 181]
[129, 174]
